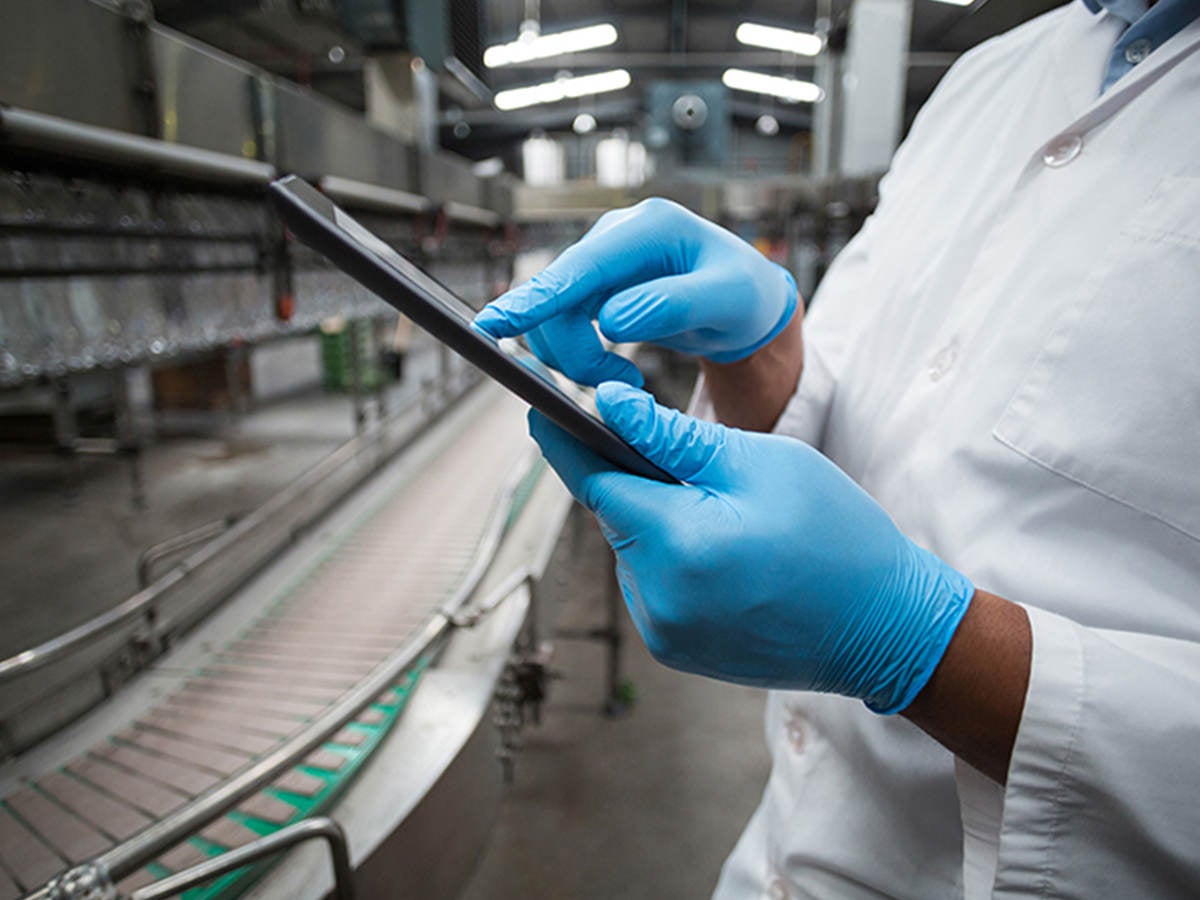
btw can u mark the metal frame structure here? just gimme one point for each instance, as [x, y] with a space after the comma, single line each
[317, 827]
[147, 621]
[137, 152]
[49, 134]
[127, 857]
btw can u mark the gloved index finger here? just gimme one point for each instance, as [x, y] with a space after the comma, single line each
[584, 275]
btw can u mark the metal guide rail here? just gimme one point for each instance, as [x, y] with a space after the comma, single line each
[269, 728]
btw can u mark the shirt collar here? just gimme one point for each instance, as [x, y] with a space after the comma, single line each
[1127, 10]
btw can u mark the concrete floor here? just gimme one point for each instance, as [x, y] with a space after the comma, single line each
[72, 535]
[643, 806]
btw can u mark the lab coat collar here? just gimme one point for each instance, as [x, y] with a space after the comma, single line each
[1129, 10]
[1080, 49]
[1080, 55]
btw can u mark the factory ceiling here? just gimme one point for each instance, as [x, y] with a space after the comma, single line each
[309, 41]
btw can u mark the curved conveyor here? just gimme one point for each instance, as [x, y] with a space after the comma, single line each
[291, 647]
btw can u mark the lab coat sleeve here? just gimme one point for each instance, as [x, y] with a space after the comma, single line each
[1101, 791]
[843, 303]
[847, 299]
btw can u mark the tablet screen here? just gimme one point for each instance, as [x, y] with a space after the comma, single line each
[464, 312]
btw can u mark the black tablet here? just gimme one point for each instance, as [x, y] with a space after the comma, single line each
[314, 219]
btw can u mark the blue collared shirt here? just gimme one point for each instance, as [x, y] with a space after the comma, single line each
[1150, 26]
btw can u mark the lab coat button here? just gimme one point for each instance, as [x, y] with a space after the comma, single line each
[1062, 150]
[943, 362]
[1137, 51]
[797, 734]
[777, 890]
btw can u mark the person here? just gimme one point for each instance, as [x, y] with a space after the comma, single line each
[967, 561]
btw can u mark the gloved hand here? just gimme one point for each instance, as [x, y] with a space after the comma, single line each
[769, 566]
[654, 272]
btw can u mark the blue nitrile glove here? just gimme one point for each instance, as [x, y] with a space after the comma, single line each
[654, 272]
[769, 566]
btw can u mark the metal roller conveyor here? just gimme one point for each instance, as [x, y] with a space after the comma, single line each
[262, 717]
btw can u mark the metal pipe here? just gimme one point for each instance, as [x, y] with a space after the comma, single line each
[60, 645]
[476, 88]
[51, 134]
[356, 376]
[381, 375]
[470, 617]
[317, 827]
[476, 215]
[613, 703]
[144, 846]
[172, 545]
[372, 196]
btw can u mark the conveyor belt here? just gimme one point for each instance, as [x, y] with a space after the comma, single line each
[340, 617]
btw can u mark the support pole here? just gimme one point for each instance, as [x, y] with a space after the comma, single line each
[356, 381]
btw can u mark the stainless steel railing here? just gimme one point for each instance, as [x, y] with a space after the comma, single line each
[317, 827]
[195, 585]
[144, 846]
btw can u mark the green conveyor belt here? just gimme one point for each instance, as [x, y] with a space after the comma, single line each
[236, 883]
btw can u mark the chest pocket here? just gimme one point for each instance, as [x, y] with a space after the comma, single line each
[1112, 402]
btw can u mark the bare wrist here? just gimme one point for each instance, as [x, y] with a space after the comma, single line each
[752, 393]
[973, 703]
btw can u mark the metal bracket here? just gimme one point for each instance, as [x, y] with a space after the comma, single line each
[519, 696]
[619, 693]
[471, 616]
[140, 15]
[89, 881]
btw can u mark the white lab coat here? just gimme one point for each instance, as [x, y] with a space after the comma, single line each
[1007, 357]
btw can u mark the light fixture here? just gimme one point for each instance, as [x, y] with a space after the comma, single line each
[337, 54]
[785, 39]
[562, 89]
[584, 123]
[775, 85]
[956, 2]
[767, 125]
[534, 46]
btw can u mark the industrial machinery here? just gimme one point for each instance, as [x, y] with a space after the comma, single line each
[274, 669]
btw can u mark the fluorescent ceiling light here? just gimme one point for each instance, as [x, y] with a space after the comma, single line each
[775, 85]
[956, 2]
[532, 46]
[562, 89]
[779, 39]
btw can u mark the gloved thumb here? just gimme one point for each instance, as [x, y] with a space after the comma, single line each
[622, 501]
[675, 442]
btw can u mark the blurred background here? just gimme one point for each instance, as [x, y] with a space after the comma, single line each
[235, 487]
